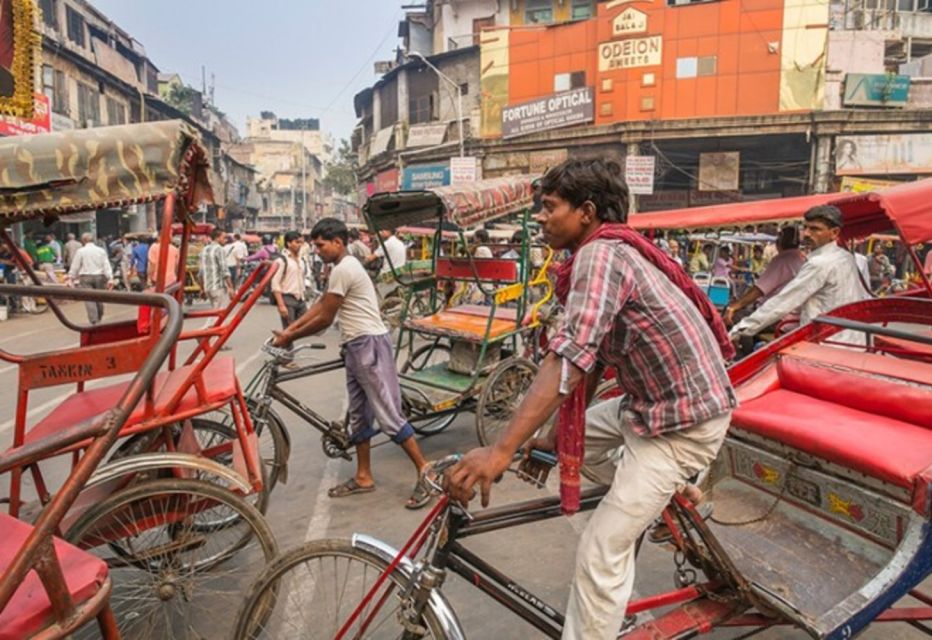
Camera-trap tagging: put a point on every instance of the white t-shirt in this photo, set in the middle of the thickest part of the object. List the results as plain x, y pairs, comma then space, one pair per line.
396, 254
359, 313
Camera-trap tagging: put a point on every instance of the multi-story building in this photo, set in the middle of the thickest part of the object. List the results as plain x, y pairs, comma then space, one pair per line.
726, 100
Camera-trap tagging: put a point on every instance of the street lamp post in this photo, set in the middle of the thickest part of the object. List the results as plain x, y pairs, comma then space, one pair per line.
456, 87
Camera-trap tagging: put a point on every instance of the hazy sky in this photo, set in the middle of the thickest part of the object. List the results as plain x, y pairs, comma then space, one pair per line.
298, 58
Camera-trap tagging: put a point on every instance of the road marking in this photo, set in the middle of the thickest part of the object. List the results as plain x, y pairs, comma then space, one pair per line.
19, 336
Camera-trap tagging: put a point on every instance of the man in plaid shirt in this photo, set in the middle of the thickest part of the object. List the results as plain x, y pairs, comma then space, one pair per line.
627, 309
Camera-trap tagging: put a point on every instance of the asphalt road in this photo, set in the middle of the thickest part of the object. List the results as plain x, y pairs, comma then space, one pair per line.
538, 556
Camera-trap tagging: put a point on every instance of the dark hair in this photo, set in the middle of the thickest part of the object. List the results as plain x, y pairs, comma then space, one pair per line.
788, 238
291, 236
216, 233
598, 181
236, 236
266, 239
517, 237
481, 235
354, 234
330, 229
829, 214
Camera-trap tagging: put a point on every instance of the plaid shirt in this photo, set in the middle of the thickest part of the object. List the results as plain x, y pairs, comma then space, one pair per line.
214, 268
623, 312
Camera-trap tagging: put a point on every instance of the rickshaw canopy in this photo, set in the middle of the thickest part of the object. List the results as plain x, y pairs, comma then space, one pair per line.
904, 207
466, 205
52, 174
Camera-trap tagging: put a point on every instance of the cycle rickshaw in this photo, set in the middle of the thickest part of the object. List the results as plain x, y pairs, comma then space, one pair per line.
174, 512
822, 515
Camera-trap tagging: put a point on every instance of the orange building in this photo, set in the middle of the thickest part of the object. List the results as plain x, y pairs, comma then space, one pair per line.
650, 60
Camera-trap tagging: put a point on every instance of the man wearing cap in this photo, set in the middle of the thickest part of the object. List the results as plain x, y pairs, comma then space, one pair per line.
828, 279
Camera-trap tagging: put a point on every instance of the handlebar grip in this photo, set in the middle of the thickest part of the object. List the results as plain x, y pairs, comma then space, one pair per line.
544, 457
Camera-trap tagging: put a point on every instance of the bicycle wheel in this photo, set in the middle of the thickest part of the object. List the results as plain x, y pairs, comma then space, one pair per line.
425, 424
311, 591
501, 394
165, 563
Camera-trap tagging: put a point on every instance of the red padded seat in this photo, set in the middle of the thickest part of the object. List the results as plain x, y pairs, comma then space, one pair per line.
219, 379
886, 448
30, 611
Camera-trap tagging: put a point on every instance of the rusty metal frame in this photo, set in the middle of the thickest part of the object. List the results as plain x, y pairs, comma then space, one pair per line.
37, 553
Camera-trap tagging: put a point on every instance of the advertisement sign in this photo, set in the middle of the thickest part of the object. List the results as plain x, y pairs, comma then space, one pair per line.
629, 54
387, 181
629, 21
425, 177
464, 170
864, 185
876, 90
719, 171
550, 112
41, 122
883, 154
426, 135
639, 174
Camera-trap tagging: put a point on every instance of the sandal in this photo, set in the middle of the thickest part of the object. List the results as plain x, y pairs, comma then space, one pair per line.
660, 532
349, 488
420, 496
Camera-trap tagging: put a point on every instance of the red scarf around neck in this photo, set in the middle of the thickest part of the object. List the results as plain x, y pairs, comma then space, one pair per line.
571, 420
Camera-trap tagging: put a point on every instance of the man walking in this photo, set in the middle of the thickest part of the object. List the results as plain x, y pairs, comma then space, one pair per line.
371, 377
139, 260
71, 248
215, 278
288, 281
630, 307
91, 269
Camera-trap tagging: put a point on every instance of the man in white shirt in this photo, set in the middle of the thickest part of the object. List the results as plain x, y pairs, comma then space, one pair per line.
235, 253
828, 279
371, 377
392, 249
91, 269
288, 281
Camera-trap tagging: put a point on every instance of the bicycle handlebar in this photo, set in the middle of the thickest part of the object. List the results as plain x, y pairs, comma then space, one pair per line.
283, 353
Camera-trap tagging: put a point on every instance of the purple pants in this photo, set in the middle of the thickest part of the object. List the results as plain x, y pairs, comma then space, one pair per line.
374, 393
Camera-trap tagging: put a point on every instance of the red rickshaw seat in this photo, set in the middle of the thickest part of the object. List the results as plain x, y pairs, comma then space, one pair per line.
219, 378
875, 424
30, 611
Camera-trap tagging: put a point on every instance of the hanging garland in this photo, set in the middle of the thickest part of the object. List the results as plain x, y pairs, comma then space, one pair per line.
18, 20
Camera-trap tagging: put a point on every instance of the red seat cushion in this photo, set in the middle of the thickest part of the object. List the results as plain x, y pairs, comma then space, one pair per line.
219, 380
30, 610
879, 446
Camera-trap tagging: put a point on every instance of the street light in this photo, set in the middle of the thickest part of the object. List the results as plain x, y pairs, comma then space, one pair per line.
456, 87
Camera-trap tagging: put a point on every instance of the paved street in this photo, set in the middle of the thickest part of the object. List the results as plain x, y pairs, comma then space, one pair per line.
539, 556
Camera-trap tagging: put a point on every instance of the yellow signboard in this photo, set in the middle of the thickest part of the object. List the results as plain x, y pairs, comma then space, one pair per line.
628, 54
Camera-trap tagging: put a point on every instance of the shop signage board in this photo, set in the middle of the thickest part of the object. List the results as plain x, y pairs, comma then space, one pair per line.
630, 53
555, 111
719, 171
426, 135
425, 177
387, 181
883, 154
463, 170
850, 184
629, 21
41, 122
639, 174
876, 90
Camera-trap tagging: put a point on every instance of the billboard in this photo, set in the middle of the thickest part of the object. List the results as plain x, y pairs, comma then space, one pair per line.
639, 174
876, 90
883, 154
40, 122
719, 171
631, 53
565, 109
425, 177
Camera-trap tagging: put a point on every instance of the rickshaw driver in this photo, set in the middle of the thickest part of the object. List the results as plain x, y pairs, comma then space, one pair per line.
371, 377
628, 306
827, 280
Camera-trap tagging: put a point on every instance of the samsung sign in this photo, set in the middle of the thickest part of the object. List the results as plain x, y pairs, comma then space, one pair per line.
553, 112
425, 177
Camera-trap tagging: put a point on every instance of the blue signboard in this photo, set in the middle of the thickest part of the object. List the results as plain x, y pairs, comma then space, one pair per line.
425, 177
874, 90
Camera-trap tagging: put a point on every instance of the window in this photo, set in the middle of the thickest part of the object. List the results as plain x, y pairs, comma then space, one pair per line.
464, 89
538, 11
48, 13
568, 81
116, 111
48, 81
88, 105
75, 26
583, 9
53, 85
421, 109
693, 67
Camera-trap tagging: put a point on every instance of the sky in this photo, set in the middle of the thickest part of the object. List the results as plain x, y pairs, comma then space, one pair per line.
297, 58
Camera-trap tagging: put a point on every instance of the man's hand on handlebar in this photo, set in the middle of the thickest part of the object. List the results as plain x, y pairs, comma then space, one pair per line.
534, 469
481, 466
281, 339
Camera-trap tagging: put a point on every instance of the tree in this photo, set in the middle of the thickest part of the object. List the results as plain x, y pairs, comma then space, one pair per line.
341, 173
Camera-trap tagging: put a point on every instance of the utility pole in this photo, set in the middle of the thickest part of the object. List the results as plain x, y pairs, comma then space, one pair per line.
303, 178
458, 95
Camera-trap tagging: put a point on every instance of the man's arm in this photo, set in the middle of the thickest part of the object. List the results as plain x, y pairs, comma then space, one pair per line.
749, 297
809, 280
316, 319
75, 266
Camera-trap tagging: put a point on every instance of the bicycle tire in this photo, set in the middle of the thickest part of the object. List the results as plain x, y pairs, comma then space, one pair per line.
271, 592
426, 425
167, 588
500, 397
